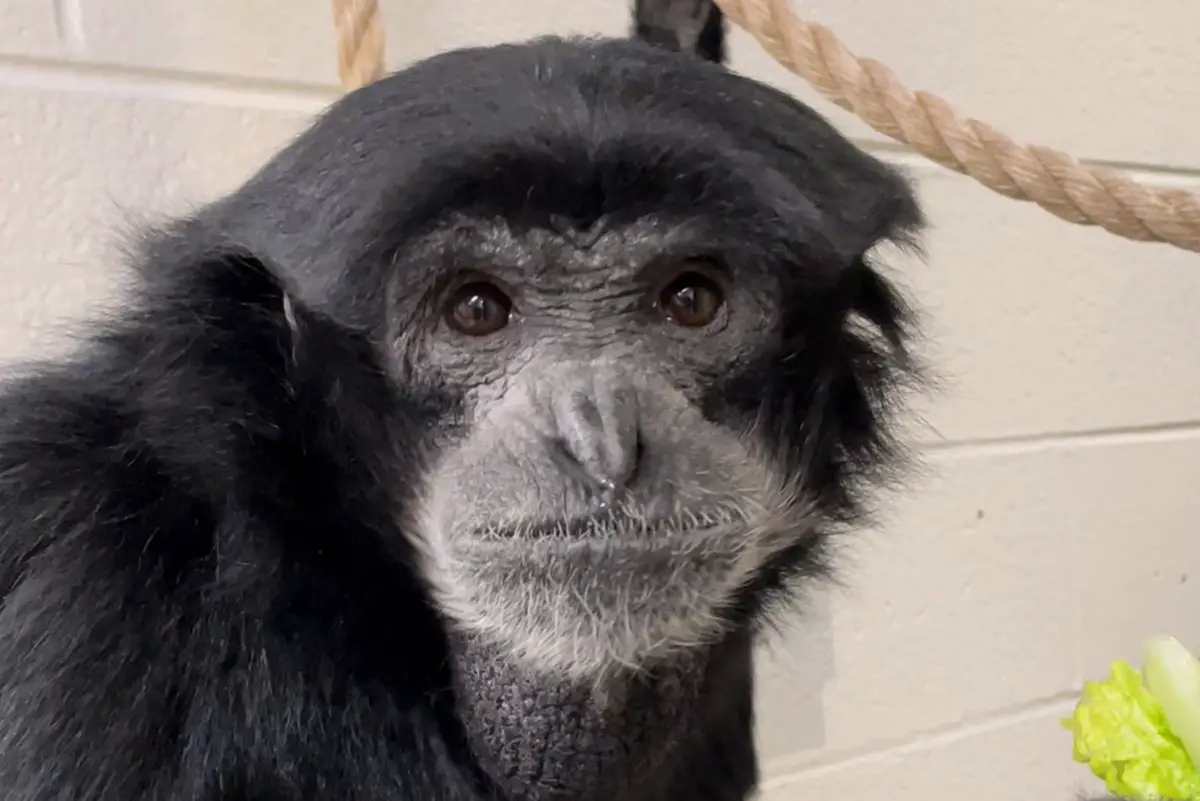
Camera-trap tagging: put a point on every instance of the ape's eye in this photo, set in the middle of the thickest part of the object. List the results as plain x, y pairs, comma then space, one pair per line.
478, 309
692, 300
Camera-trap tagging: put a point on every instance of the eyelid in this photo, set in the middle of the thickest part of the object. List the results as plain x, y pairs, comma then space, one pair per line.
461, 278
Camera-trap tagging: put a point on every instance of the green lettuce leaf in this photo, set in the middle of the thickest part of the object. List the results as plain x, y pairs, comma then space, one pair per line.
1122, 734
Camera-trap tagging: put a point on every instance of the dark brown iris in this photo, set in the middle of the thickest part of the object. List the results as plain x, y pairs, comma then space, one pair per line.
692, 300
478, 309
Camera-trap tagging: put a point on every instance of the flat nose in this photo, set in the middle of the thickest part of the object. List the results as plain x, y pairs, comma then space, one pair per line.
596, 414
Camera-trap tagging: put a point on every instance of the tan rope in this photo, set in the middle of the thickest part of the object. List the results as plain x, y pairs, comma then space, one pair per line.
1053, 180
360, 42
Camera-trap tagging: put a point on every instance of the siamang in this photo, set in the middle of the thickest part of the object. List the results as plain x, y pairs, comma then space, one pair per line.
462, 452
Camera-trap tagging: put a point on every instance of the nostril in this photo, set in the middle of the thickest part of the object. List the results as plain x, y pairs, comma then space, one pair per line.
567, 460
637, 454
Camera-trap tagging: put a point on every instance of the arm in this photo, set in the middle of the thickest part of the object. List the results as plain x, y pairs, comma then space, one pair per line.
91, 640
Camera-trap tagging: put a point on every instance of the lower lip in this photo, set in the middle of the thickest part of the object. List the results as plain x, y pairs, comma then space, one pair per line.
612, 532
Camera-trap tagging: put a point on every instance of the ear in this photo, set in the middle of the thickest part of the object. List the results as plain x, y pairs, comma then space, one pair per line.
685, 26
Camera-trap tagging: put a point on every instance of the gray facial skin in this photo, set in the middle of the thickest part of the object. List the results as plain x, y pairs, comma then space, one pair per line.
587, 517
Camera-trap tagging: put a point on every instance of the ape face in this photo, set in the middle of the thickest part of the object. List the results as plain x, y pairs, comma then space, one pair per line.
618, 498
637, 287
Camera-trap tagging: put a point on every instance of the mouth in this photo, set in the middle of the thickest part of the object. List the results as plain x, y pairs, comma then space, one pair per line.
616, 524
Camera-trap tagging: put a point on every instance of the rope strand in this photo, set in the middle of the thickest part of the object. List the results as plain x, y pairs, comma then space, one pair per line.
360, 41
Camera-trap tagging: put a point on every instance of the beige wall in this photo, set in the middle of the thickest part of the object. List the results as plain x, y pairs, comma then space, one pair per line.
1057, 522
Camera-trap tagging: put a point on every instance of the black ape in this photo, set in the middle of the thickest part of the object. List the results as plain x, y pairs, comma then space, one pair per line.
457, 454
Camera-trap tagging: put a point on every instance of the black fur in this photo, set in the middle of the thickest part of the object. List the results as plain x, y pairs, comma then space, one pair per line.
695, 26
203, 592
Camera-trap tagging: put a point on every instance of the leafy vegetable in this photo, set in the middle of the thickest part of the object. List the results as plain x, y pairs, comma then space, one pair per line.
1123, 734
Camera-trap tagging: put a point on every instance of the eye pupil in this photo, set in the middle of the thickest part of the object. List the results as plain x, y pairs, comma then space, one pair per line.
692, 300
478, 309
688, 299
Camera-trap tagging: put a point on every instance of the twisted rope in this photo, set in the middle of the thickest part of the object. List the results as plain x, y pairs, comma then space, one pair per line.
1057, 182
359, 28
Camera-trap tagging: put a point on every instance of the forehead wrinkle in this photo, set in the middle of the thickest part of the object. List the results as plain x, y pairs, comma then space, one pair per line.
465, 242
625, 251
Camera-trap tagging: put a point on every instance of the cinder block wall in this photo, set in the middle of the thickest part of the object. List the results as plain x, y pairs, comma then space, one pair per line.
1059, 519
